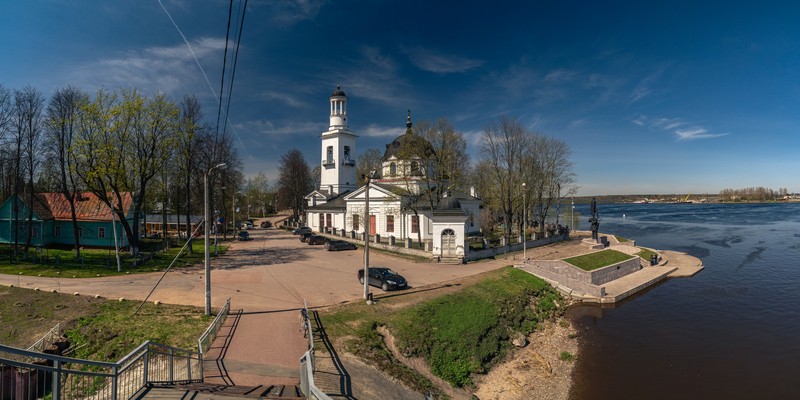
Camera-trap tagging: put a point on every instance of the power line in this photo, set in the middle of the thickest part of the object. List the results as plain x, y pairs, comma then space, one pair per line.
224, 63
235, 61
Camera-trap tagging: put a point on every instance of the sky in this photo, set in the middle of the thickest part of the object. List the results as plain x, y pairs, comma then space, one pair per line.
651, 97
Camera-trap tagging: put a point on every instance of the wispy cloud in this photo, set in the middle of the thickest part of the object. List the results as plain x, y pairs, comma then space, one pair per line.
644, 87
682, 130
374, 130
270, 128
285, 98
432, 61
167, 69
375, 78
290, 12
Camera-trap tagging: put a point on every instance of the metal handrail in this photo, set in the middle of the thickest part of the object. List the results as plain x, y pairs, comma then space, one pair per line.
203, 342
308, 360
40, 345
66, 377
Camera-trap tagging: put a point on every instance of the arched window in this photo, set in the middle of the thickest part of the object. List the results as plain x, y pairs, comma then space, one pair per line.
330, 154
392, 169
415, 168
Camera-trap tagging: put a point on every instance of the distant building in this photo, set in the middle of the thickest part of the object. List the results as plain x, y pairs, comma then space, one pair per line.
393, 196
52, 220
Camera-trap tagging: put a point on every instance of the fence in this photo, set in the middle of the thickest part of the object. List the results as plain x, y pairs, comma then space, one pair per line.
49, 338
71, 378
307, 361
205, 340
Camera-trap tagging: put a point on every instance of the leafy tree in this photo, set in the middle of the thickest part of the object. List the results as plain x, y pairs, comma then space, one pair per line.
294, 182
368, 161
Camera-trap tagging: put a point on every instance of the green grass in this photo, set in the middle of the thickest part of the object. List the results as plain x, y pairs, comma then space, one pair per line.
97, 262
98, 329
114, 331
458, 334
593, 261
646, 254
621, 239
566, 356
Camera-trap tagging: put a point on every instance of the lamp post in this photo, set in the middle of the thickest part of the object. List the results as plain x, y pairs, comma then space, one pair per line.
366, 239
206, 217
524, 223
114, 229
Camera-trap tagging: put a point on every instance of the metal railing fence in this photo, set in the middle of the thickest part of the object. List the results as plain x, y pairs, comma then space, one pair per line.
47, 339
307, 361
72, 378
207, 338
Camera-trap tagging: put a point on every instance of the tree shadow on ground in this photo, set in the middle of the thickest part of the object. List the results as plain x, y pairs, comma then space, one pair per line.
265, 256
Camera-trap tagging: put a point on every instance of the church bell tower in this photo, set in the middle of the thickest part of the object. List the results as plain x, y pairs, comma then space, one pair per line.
338, 170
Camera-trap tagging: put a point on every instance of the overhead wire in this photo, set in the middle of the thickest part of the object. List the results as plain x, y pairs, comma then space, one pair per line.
224, 64
235, 61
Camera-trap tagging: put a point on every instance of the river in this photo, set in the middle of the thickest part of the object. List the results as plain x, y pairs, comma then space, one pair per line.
730, 332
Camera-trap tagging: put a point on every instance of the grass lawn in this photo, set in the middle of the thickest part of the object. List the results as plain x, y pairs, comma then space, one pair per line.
600, 259
621, 239
97, 262
646, 254
100, 330
458, 334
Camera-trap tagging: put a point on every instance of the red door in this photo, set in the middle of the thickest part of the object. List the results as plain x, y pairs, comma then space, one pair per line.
372, 229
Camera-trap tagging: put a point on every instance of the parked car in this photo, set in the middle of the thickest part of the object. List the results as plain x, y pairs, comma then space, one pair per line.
266, 224
337, 245
384, 278
304, 237
249, 224
301, 230
244, 235
317, 239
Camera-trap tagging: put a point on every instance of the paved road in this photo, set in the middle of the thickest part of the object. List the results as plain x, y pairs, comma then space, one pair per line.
269, 278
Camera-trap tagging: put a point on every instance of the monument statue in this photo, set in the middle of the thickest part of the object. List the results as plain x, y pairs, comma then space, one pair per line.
594, 220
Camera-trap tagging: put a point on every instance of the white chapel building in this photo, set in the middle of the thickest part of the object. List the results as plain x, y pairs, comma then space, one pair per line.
339, 203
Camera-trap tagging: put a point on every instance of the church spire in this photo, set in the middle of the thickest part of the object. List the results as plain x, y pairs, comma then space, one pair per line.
408, 123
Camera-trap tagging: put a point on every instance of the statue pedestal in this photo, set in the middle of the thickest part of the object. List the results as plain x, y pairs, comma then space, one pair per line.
593, 244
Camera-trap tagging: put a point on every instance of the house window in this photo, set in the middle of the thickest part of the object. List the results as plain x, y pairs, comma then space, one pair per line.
328, 220
321, 220
392, 169
430, 228
57, 231
101, 233
390, 223
415, 224
355, 222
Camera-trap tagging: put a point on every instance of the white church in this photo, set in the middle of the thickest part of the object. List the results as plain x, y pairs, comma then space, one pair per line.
394, 194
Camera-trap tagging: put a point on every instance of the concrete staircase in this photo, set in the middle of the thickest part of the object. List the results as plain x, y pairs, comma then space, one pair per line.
210, 391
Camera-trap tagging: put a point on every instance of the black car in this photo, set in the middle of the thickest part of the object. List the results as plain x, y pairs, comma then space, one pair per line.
317, 239
266, 224
301, 230
304, 236
337, 245
244, 235
384, 278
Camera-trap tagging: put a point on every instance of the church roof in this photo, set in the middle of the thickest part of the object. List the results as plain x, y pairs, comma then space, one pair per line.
335, 204
407, 144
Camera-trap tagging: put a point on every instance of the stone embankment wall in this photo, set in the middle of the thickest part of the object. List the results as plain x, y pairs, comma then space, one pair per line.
615, 271
495, 251
588, 282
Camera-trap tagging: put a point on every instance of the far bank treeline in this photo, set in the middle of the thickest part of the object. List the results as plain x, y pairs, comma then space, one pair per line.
112, 142
517, 170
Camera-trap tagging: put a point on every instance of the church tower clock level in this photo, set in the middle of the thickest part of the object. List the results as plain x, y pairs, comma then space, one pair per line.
338, 170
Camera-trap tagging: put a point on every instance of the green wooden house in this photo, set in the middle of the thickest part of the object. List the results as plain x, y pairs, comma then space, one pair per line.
52, 221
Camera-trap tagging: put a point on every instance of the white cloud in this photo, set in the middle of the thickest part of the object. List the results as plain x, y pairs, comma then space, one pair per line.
269, 128
431, 61
374, 130
169, 69
290, 12
285, 98
681, 129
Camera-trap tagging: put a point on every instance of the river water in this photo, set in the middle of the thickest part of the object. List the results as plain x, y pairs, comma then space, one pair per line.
730, 332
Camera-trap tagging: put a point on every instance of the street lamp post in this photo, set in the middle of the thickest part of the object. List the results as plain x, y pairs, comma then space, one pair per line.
114, 229
524, 224
366, 240
206, 217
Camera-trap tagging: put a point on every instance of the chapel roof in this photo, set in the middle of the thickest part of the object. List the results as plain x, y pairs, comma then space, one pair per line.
406, 144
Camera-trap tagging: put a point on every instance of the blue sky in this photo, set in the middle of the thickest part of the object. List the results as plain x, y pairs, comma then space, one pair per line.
668, 97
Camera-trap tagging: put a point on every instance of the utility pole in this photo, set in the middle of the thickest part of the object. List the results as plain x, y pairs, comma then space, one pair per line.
366, 239
524, 224
206, 218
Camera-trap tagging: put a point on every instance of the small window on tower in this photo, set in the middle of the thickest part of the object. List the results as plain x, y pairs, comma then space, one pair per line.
346, 152
330, 153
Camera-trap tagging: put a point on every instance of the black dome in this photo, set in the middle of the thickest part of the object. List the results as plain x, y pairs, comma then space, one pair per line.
338, 92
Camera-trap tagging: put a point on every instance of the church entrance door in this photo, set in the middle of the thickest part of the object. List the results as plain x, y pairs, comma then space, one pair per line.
372, 228
448, 243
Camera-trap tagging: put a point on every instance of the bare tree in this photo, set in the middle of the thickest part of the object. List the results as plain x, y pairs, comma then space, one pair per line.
504, 146
28, 104
6, 112
62, 119
294, 182
189, 134
368, 161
